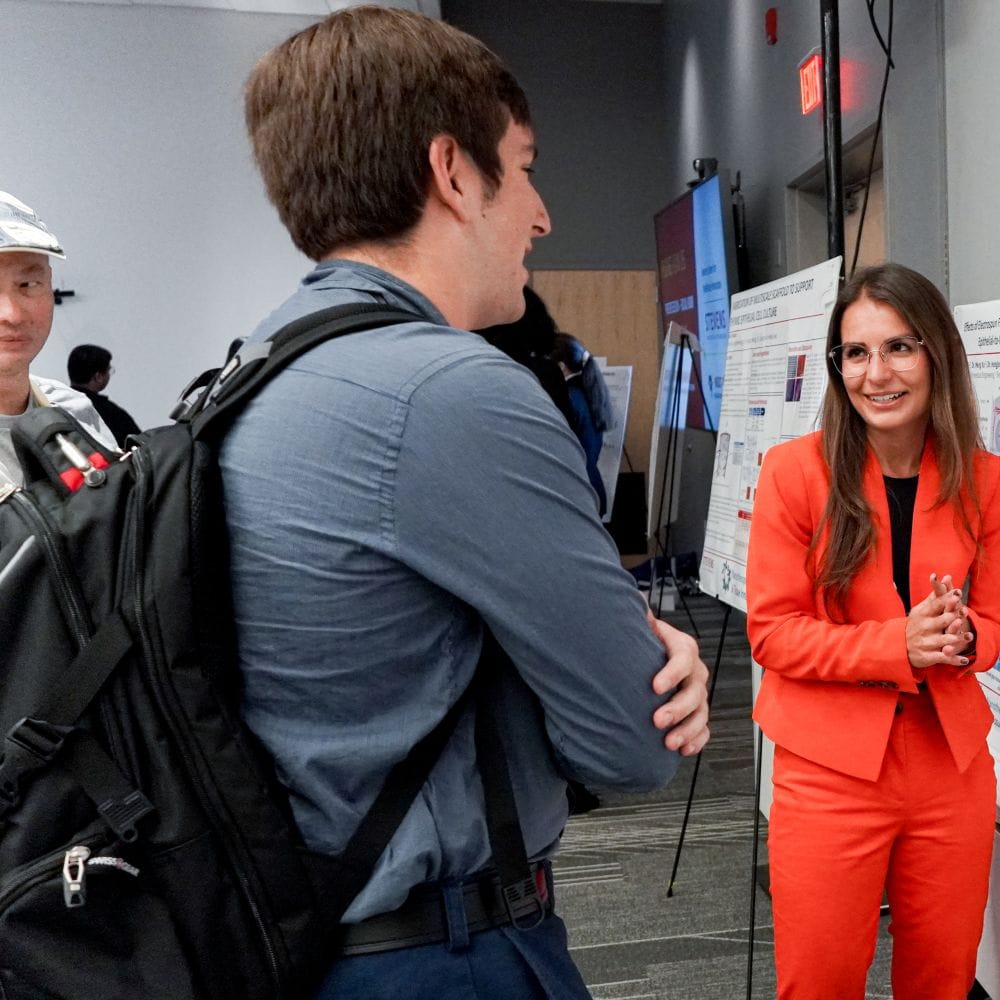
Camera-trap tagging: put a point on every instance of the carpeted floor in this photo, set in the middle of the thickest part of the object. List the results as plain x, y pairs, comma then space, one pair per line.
632, 941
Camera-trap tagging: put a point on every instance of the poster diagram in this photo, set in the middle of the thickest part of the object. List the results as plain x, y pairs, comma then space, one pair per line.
772, 391
979, 326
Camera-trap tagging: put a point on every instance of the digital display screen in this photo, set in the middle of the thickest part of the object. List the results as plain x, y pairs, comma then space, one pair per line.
695, 255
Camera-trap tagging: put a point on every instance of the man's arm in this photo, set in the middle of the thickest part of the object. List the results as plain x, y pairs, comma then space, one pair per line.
493, 504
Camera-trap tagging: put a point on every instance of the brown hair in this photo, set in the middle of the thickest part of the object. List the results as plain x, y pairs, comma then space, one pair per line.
341, 116
954, 421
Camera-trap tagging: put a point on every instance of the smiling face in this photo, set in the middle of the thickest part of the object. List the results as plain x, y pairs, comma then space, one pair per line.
25, 309
510, 218
894, 405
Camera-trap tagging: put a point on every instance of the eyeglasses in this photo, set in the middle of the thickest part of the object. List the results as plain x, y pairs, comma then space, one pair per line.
899, 353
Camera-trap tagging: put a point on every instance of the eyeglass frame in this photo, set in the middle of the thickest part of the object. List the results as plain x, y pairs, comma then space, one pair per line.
832, 355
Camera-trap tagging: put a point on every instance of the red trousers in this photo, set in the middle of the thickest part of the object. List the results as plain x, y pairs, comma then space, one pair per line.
922, 832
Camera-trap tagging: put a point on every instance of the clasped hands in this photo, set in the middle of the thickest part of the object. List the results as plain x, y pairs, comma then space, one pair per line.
937, 629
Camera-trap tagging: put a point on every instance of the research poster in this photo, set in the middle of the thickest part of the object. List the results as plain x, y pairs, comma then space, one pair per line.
772, 391
979, 326
618, 379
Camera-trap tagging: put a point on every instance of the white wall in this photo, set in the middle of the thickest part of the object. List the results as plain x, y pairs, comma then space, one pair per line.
972, 32
122, 126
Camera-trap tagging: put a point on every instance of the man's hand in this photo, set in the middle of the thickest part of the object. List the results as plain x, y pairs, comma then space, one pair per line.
686, 714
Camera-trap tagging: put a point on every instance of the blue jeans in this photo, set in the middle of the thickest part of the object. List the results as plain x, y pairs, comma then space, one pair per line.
500, 964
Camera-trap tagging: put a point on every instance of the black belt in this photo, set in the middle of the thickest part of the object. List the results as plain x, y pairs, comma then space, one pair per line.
422, 918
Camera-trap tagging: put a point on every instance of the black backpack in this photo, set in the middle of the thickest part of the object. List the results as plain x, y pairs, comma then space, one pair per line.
147, 850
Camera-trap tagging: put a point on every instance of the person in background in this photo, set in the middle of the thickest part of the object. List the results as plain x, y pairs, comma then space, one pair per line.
90, 371
530, 340
873, 592
590, 404
26, 304
427, 491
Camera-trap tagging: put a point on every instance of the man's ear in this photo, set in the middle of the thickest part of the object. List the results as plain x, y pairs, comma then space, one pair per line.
454, 176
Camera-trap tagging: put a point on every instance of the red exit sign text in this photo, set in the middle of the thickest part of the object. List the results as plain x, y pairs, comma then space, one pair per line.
811, 82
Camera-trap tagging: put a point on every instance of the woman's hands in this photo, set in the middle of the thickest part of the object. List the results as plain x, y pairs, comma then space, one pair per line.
937, 629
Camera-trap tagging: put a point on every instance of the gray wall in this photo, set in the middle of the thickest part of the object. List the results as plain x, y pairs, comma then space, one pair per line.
972, 30
736, 98
122, 126
593, 74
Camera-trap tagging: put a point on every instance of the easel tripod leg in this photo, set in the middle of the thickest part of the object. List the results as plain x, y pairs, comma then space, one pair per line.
753, 862
697, 763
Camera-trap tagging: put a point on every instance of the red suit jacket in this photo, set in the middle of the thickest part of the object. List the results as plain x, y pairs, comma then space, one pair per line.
830, 689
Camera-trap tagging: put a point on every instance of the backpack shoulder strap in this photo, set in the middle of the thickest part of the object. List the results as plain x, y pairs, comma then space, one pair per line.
256, 364
36, 392
339, 878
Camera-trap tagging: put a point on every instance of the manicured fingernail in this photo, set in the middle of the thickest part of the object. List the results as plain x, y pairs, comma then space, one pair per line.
963, 660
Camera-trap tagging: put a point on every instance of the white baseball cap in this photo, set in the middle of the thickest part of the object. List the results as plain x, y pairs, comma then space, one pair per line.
21, 229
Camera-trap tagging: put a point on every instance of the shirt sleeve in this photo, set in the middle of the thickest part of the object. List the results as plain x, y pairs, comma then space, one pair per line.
787, 633
493, 504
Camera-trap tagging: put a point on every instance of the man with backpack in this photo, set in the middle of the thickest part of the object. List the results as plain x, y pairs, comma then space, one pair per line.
399, 498
26, 303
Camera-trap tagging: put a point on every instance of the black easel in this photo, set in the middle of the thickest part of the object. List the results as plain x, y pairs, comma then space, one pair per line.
671, 451
697, 761
753, 861
669, 475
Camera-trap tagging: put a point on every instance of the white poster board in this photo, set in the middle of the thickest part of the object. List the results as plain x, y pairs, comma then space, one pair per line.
618, 379
773, 389
979, 326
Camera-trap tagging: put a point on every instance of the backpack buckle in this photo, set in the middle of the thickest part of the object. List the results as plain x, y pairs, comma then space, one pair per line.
29, 744
37, 738
525, 904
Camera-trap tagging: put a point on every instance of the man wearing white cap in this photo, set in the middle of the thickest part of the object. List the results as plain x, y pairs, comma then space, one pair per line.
26, 303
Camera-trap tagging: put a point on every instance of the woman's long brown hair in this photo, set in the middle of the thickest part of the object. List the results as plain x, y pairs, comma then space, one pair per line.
954, 422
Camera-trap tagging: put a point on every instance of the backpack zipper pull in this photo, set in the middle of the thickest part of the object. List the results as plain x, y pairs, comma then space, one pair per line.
74, 869
92, 476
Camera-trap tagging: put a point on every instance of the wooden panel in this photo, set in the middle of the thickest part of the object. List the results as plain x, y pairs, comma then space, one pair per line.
613, 313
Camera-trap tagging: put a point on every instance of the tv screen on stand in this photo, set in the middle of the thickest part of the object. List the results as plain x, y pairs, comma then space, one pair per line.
696, 263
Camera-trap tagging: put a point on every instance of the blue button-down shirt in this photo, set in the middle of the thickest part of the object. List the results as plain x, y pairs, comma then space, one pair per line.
383, 493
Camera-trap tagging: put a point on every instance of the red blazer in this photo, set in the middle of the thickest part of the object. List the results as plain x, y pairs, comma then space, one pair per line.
829, 690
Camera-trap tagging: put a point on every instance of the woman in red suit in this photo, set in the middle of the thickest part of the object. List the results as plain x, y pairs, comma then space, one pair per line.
873, 586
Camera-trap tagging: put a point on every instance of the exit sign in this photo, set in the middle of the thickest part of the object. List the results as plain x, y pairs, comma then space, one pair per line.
811, 82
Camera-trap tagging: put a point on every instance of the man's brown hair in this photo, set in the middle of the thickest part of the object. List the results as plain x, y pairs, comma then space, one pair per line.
341, 116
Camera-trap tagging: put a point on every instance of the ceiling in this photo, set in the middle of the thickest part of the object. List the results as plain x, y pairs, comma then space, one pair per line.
432, 7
